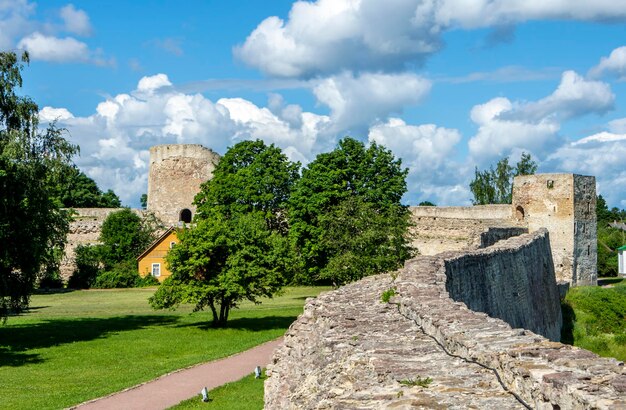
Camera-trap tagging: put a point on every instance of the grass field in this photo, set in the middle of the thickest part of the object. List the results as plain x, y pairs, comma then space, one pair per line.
594, 318
244, 394
76, 346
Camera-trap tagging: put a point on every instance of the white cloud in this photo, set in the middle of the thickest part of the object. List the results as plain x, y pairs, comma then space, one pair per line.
44, 39
506, 126
76, 21
574, 97
601, 137
115, 139
613, 65
14, 21
49, 48
330, 36
427, 151
361, 100
601, 155
49, 114
150, 84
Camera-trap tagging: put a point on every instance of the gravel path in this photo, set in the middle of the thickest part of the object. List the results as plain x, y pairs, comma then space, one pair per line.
175, 387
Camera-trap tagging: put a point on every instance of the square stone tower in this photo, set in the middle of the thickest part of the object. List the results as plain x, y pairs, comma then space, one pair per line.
565, 204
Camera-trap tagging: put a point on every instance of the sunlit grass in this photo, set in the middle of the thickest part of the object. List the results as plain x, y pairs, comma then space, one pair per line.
244, 394
72, 347
594, 318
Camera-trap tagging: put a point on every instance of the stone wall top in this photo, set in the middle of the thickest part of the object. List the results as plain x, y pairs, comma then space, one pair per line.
159, 153
350, 350
463, 212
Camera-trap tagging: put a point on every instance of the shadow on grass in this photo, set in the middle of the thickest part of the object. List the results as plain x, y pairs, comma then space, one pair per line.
609, 281
16, 340
256, 324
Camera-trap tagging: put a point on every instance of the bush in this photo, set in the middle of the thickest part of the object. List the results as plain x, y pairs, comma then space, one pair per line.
148, 280
87, 266
51, 280
122, 275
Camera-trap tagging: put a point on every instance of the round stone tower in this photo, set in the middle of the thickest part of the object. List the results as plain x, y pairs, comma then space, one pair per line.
176, 172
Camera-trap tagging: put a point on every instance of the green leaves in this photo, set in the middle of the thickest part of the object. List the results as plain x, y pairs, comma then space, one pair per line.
237, 248
32, 227
345, 216
494, 186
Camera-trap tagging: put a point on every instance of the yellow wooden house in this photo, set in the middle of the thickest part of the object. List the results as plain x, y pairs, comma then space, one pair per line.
152, 260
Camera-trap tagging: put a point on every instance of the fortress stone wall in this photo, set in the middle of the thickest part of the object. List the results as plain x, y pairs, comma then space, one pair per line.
350, 350
176, 173
453, 228
84, 230
563, 203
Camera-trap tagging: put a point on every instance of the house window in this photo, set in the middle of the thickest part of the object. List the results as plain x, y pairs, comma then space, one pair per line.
156, 269
172, 244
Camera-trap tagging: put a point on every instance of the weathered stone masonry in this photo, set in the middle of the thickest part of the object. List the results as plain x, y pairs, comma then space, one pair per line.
348, 350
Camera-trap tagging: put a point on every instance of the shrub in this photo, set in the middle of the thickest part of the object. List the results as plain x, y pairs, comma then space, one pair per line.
51, 280
148, 280
386, 296
122, 275
87, 266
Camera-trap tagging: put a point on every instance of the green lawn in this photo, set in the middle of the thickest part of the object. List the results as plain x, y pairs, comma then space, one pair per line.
594, 318
244, 394
72, 347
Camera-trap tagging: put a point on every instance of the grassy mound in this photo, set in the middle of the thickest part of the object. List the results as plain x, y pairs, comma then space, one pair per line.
594, 318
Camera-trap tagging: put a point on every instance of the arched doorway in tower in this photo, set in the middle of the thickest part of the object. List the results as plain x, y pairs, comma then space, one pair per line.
184, 216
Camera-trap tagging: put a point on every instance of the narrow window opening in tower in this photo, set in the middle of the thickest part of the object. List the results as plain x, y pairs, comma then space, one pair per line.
185, 216
519, 213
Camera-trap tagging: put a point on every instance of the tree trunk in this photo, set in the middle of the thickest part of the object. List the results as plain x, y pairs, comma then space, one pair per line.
214, 311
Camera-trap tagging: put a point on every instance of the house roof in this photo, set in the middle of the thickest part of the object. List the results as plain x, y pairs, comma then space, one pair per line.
155, 243
622, 248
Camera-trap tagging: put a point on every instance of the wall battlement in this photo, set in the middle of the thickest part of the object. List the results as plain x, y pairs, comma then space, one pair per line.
350, 350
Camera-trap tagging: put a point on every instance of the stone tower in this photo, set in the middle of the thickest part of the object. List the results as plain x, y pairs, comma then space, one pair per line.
176, 172
566, 205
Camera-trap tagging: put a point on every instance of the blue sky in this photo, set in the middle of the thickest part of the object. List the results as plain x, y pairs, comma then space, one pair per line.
447, 85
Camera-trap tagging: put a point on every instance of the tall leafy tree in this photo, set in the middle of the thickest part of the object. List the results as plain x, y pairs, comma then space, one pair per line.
237, 247
124, 235
494, 186
251, 176
361, 187
74, 189
32, 227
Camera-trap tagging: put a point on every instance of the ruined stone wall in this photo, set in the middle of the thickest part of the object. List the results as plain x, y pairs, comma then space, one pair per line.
585, 266
350, 350
565, 205
84, 230
442, 229
515, 284
176, 173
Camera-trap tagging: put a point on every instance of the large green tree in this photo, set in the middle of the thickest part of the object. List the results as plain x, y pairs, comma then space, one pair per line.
345, 216
237, 247
124, 235
32, 227
494, 186
74, 189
